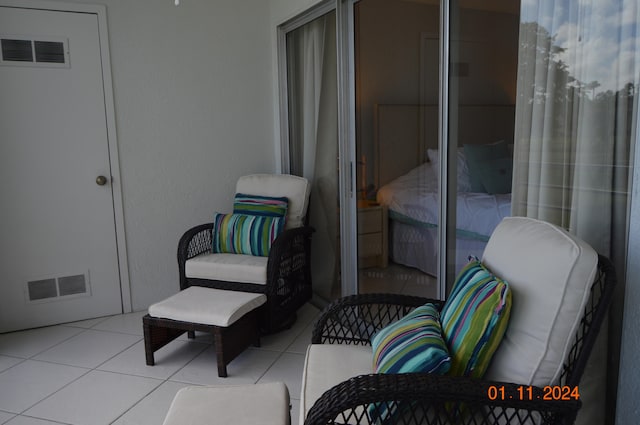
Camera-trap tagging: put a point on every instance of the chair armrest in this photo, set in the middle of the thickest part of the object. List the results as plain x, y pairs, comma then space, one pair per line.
194, 241
290, 254
434, 399
355, 319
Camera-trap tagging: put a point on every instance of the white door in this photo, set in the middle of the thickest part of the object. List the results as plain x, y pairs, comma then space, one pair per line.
59, 258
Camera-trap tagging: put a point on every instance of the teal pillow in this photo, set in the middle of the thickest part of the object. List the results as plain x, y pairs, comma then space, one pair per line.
245, 234
260, 205
474, 319
412, 344
478, 154
496, 175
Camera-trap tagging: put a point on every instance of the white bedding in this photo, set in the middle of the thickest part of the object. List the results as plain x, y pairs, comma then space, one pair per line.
413, 198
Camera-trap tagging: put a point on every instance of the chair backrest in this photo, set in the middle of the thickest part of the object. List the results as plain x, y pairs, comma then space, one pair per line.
550, 273
295, 188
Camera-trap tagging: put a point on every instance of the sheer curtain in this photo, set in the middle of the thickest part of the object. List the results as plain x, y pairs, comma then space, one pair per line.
575, 134
313, 144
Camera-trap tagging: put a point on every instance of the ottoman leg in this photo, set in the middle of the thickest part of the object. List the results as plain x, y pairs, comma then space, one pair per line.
220, 355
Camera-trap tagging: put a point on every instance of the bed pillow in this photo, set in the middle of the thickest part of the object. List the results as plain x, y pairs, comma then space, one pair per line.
496, 175
245, 234
477, 155
462, 168
474, 319
412, 344
260, 205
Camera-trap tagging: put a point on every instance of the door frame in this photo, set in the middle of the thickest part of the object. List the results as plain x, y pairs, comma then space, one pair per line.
114, 165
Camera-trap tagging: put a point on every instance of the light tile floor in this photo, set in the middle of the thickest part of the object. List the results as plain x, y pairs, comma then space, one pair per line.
93, 372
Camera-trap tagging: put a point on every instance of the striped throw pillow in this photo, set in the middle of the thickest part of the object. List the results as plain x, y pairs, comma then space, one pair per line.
474, 319
245, 234
412, 344
260, 205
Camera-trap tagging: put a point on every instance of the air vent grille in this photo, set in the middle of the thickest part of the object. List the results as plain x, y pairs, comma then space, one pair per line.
23, 51
49, 51
57, 288
17, 50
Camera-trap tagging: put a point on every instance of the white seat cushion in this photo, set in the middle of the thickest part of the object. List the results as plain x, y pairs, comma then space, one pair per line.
295, 188
228, 267
268, 405
550, 273
207, 306
327, 365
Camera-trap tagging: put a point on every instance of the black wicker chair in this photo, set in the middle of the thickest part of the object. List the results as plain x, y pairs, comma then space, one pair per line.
288, 274
433, 399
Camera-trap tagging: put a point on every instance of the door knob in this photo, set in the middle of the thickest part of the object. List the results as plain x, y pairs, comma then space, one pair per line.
101, 180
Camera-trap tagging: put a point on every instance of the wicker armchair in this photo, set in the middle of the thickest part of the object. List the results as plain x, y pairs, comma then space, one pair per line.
432, 399
288, 273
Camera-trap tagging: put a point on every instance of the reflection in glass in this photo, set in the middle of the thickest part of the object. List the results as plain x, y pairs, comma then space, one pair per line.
313, 140
396, 62
576, 114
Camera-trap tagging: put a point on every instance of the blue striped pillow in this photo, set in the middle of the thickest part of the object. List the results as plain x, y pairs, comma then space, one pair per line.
474, 319
412, 344
260, 205
245, 234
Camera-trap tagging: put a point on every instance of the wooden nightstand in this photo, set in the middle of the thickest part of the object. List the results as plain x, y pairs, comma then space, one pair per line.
373, 242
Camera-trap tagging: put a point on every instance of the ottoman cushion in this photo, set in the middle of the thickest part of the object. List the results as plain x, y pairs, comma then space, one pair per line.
207, 306
266, 404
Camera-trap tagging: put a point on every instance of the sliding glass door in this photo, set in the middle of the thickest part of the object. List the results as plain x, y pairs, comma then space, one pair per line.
575, 134
396, 56
309, 120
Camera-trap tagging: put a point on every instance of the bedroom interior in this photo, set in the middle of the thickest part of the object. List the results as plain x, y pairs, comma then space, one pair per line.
397, 82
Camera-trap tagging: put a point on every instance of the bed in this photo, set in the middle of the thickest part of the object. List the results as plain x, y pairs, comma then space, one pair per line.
407, 177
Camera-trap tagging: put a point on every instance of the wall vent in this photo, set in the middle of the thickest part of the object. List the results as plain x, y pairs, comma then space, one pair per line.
27, 51
57, 288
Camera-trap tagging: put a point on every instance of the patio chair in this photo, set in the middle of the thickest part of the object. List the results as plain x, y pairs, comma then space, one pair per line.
561, 290
283, 275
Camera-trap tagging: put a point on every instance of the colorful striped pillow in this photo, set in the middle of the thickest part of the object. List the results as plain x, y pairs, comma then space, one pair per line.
260, 205
474, 319
245, 234
411, 344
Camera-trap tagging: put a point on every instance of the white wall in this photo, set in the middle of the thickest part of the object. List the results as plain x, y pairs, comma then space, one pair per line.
193, 103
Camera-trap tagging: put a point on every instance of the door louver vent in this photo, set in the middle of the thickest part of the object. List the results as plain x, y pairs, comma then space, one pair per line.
33, 52
49, 51
50, 289
17, 50
41, 289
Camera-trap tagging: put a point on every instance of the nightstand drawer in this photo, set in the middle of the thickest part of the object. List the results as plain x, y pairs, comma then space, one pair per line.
369, 245
369, 220
372, 236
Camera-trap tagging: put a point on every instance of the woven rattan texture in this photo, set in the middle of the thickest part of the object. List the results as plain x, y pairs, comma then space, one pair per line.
288, 284
431, 399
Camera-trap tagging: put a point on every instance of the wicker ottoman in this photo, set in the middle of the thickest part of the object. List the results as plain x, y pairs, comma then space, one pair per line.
265, 404
231, 316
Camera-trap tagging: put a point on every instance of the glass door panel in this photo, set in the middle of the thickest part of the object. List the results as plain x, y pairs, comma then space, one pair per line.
483, 58
312, 146
396, 111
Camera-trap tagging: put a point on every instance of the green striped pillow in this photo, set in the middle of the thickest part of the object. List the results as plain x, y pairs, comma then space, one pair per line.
260, 205
474, 319
245, 234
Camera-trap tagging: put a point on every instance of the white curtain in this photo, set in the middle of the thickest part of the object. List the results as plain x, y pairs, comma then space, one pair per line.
313, 146
579, 63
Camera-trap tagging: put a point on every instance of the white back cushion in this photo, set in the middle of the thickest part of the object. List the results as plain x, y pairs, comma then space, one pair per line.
550, 273
295, 188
